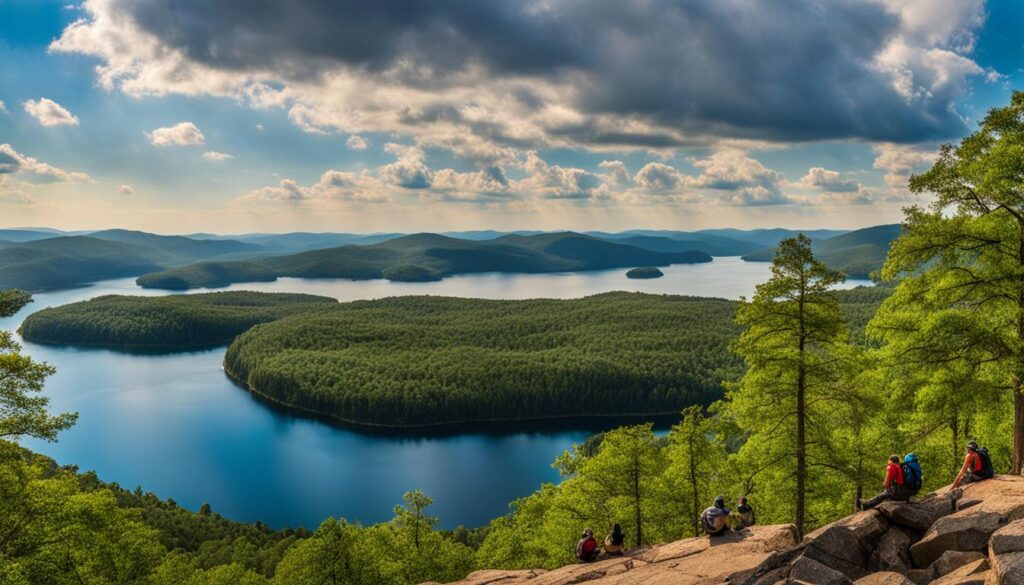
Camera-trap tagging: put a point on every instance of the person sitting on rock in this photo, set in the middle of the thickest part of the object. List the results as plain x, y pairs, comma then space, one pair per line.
893, 488
745, 513
587, 550
977, 466
614, 543
713, 519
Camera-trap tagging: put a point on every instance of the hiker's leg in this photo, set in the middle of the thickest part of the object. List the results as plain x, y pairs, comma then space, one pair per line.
902, 493
868, 504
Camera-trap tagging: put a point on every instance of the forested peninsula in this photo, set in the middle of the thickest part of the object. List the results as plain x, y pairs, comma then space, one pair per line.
168, 322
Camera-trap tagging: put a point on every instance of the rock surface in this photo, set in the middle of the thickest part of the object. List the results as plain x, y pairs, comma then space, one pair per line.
973, 536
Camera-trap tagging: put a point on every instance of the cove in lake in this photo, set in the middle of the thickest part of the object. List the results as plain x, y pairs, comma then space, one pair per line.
174, 424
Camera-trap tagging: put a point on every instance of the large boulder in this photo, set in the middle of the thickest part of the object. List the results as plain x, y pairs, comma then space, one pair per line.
884, 578
1009, 538
1007, 568
839, 549
867, 526
892, 552
919, 514
952, 560
971, 574
810, 571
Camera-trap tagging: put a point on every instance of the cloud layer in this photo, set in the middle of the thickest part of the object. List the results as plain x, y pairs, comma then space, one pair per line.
482, 77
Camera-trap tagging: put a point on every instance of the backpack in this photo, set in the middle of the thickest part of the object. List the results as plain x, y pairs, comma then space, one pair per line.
912, 474
713, 520
987, 471
583, 551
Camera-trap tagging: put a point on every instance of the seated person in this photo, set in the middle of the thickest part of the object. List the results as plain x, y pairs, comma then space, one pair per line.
713, 519
614, 543
746, 514
587, 550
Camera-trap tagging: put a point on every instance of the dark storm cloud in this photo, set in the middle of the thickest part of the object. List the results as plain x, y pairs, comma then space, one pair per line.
779, 70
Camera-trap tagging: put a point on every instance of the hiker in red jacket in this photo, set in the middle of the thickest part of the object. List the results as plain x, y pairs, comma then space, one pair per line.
977, 466
894, 487
587, 549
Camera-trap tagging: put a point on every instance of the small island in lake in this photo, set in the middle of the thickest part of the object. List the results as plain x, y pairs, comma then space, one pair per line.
645, 272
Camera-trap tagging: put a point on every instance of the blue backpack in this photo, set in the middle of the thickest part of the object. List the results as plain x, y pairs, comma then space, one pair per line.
912, 475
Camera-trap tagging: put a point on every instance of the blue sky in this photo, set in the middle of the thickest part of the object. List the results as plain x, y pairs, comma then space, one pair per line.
239, 116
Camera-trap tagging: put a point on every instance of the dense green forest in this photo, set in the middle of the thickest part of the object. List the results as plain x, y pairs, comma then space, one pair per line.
644, 272
424, 257
175, 321
857, 254
432, 360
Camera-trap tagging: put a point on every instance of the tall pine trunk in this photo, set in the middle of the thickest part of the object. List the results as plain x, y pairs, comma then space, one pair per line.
693, 485
801, 431
1017, 458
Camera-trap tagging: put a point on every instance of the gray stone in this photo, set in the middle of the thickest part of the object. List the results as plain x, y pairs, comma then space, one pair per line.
964, 531
1008, 568
810, 571
1009, 538
952, 560
867, 526
839, 549
972, 574
919, 515
892, 552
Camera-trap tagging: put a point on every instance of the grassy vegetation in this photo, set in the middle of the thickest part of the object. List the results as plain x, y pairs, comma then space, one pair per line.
423, 257
177, 321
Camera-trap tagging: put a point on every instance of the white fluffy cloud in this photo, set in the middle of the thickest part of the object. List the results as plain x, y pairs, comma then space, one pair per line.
828, 181
332, 188
49, 113
356, 142
181, 134
126, 190
899, 161
216, 156
742, 180
409, 171
658, 177
13, 163
3, 107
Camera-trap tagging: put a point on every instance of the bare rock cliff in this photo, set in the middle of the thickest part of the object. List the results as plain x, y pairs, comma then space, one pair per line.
973, 536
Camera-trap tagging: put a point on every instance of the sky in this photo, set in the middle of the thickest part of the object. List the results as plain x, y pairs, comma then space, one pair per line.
237, 116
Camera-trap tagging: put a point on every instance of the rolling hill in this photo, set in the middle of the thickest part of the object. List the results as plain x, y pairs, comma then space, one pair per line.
425, 257
857, 253
67, 261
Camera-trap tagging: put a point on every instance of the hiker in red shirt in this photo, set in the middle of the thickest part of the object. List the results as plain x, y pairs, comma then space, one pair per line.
977, 466
894, 487
586, 549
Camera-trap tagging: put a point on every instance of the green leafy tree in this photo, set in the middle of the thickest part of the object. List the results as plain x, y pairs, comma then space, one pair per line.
330, 557
793, 329
695, 460
958, 309
22, 411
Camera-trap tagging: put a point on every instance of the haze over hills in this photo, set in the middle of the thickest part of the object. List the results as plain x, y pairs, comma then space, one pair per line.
41, 258
425, 257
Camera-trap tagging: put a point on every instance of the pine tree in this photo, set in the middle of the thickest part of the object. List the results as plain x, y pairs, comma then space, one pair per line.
959, 303
793, 329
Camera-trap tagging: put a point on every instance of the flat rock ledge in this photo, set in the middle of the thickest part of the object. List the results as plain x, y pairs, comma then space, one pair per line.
971, 536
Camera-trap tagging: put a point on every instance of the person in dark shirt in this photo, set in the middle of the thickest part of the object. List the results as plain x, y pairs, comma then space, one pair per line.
746, 514
615, 543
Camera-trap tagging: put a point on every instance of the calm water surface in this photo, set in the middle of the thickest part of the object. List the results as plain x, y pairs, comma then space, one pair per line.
175, 425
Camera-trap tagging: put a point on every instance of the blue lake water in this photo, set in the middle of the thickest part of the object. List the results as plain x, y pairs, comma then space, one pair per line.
174, 424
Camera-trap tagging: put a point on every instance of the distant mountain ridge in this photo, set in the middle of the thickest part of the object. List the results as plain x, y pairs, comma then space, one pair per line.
426, 257
37, 259
858, 253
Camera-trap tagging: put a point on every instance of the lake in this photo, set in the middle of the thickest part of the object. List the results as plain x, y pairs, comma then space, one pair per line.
174, 424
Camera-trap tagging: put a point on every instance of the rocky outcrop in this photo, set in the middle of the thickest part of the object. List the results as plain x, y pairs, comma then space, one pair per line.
970, 536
